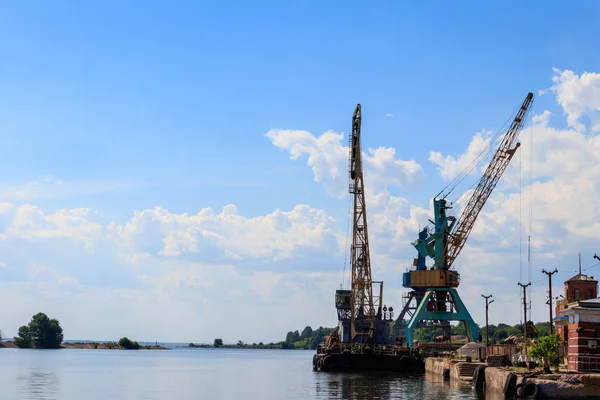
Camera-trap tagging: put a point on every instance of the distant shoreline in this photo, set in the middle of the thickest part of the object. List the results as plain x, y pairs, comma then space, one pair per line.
245, 347
109, 345
9, 344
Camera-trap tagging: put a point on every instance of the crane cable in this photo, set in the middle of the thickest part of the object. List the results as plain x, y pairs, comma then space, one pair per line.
346, 246
530, 198
478, 159
520, 216
492, 147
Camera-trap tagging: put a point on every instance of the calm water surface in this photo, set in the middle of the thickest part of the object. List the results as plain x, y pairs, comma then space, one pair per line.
199, 374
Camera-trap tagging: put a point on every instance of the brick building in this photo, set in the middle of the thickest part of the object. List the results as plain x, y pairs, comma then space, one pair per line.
578, 323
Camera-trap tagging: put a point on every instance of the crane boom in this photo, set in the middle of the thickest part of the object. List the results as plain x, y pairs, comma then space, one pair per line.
362, 294
486, 185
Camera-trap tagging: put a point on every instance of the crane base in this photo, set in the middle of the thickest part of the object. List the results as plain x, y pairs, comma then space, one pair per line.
437, 310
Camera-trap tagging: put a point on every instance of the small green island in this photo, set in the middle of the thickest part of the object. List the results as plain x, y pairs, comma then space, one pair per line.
43, 332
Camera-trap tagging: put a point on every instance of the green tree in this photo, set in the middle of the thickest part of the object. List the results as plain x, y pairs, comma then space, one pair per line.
547, 349
306, 333
318, 336
42, 333
543, 328
289, 338
127, 344
24, 339
218, 343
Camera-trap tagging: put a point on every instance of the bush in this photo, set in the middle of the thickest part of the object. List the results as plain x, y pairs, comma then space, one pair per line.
127, 344
548, 349
41, 333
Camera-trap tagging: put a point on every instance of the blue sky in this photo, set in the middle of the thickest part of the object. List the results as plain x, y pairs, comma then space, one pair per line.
121, 107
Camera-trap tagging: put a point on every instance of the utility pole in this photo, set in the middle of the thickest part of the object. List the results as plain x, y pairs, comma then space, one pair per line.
550, 295
525, 312
487, 330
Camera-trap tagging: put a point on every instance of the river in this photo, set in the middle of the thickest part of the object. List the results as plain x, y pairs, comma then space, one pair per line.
74, 374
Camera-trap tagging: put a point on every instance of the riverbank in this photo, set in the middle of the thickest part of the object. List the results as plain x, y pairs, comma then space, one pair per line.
106, 346
244, 347
88, 345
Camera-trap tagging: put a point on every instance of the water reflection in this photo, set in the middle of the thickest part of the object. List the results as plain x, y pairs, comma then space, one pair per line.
390, 386
38, 385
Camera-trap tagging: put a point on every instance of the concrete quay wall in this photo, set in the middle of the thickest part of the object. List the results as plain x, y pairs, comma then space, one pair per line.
563, 386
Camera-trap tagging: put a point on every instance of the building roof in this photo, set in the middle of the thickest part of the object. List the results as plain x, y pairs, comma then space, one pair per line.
581, 277
591, 303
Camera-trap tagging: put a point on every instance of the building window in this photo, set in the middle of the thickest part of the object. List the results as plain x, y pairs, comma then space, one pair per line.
591, 293
576, 294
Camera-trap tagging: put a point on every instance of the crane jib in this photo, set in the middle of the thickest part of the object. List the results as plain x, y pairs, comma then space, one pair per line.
488, 182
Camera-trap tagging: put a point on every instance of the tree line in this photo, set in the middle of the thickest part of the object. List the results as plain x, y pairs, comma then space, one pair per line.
497, 332
309, 339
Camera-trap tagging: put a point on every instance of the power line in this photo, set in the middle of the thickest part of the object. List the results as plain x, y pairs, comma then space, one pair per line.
511, 300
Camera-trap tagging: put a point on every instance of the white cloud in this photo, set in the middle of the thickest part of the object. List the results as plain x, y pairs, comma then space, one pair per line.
389, 115
227, 236
137, 271
328, 158
449, 167
578, 95
154, 273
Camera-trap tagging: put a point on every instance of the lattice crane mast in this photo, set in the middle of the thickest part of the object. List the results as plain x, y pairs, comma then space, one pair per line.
362, 319
435, 289
362, 284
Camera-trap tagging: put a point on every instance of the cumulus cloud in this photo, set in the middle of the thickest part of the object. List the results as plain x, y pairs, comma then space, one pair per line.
578, 95
177, 258
328, 158
158, 270
449, 167
228, 236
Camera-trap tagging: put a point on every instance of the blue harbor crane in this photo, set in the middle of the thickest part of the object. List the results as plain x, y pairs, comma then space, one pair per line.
434, 298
